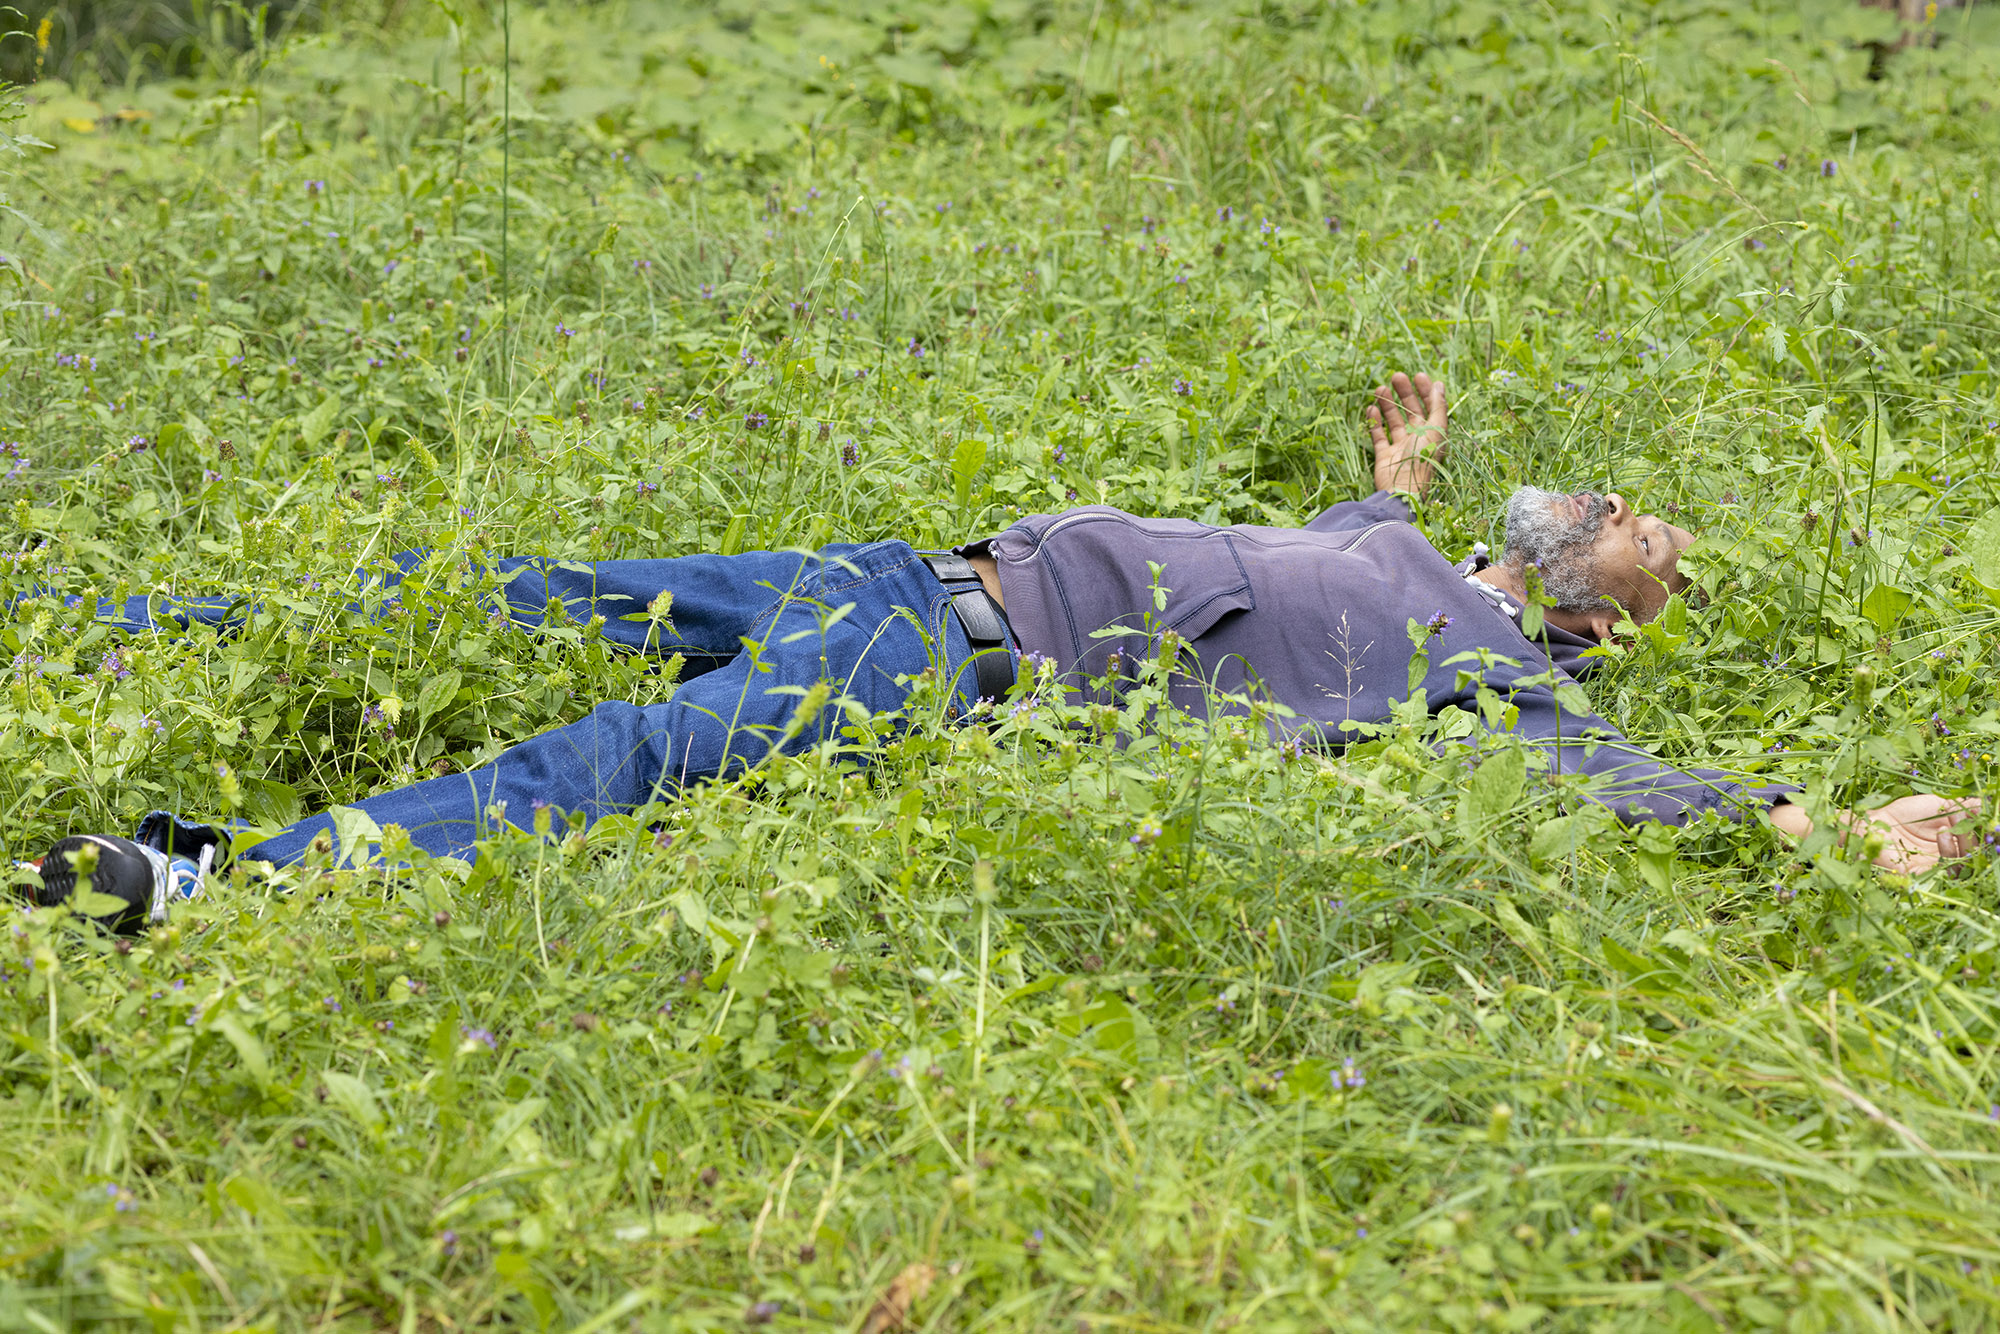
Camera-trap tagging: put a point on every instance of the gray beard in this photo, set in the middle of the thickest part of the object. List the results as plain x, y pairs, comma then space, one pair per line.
1560, 547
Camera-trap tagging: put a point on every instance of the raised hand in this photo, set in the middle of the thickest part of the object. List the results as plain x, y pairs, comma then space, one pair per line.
1407, 423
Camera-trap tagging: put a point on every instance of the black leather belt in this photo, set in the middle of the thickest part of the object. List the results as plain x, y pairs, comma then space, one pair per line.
984, 623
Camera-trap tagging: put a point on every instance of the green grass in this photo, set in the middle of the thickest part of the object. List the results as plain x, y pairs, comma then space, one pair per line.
1607, 1080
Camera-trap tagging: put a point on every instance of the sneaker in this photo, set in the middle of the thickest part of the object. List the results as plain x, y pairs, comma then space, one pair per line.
145, 880
149, 874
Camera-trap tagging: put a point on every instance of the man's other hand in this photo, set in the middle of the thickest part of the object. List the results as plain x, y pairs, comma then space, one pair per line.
1407, 423
1908, 835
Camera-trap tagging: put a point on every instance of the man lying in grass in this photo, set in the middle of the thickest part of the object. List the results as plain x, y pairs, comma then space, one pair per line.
1319, 619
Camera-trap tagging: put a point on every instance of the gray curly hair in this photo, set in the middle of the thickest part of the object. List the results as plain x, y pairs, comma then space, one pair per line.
1538, 534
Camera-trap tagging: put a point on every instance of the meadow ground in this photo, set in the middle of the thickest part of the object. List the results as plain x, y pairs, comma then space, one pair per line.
1192, 1034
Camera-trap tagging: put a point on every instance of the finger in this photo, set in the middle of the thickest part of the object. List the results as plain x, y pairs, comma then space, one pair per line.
1924, 805
1916, 806
1407, 393
1375, 431
1391, 413
1420, 414
1906, 854
1438, 412
1952, 840
1930, 817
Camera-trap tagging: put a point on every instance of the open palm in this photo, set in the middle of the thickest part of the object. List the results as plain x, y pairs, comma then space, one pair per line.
1916, 831
1406, 422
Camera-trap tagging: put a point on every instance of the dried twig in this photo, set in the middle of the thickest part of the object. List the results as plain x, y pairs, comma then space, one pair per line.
892, 1308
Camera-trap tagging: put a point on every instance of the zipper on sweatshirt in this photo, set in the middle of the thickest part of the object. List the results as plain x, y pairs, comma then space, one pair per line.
1360, 537
1369, 532
1068, 519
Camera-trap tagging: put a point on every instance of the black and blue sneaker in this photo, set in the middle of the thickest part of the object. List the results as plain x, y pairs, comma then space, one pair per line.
165, 864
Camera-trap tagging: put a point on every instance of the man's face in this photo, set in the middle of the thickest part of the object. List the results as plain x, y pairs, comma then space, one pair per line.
1592, 547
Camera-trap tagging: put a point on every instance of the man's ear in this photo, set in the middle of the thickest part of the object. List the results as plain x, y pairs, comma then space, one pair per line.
1604, 623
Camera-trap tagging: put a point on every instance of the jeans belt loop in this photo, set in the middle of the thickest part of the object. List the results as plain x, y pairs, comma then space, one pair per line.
982, 620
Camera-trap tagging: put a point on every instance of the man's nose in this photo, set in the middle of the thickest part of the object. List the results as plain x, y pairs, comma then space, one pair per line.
1619, 511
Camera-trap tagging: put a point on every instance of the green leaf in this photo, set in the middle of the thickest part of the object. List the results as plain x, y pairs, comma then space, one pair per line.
693, 911
1655, 845
1572, 699
249, 1048
1624, 960
353, 1097
315, 424
95, 903
1519, 929
1673, 617
1493, 788
269, 802
966, 462
357, 833
1555, 840
516, 1118
1982, 549
682, 1224
437, 692
1885, 605
255, 1196
443, 1050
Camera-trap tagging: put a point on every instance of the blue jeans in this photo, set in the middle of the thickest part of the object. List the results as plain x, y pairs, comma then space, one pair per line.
758, 630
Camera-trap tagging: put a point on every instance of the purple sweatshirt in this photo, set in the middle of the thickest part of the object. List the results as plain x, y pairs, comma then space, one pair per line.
1316, 618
